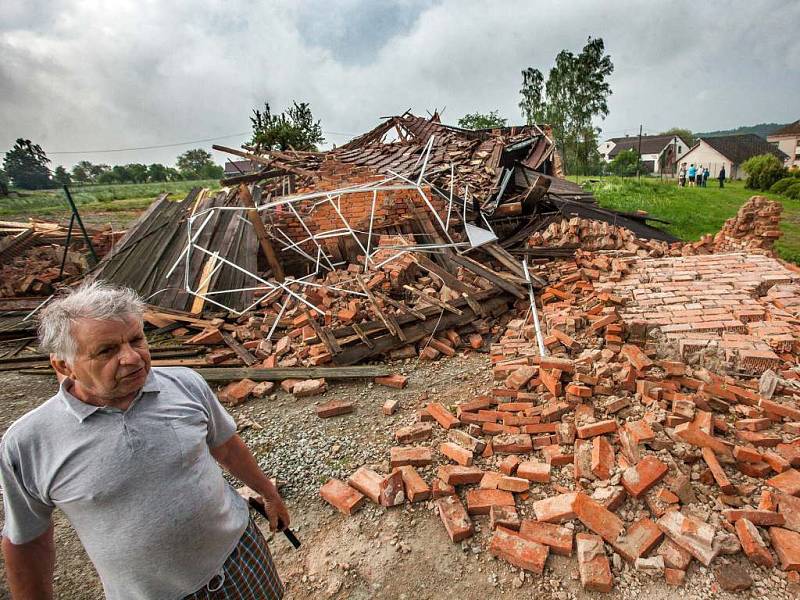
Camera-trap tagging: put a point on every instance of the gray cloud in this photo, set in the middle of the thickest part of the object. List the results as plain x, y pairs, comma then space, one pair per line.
84, 74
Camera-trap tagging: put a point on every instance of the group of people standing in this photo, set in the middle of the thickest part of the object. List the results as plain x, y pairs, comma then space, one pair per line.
698, 176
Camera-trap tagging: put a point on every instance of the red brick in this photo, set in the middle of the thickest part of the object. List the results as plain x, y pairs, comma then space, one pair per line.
518, 443
490, 480
746, 454
341, 496
674, 577
534, 471
754, 547
458, 475
416, 432
520, 377
479, 501
390, 406
639, 539
415, 456
309, 387
442, 416
636, 357
599, 428
556, 537
718, 472
787, 546
593, 565
556, 509
333, 408
783, 410
368, 482
788, 482
392, 489
691, 434
263, 388
597, 518
691, 534
462, 438
513, 484
456, 520
509, 464
456, 453
674, 556
504, 516
440, 489
394, 381
517, 550
789, 507
763, 518
236, 392
602, 457
643, 475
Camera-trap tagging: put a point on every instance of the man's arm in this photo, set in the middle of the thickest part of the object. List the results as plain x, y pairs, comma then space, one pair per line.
236, 458
29, 567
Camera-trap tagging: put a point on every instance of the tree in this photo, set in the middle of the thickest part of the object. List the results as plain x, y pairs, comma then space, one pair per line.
61, 176
157, 172
98, 171
137, 173
197, 164
3, 183
575, 93
685, 134
763, 171
82, 172
477, 120
294, 129
26, 165
625, 164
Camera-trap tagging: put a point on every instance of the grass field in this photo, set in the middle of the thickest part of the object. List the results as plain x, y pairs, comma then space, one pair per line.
693, 212
128, 197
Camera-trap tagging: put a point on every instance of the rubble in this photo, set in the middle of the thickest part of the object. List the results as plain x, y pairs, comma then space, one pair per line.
644, 410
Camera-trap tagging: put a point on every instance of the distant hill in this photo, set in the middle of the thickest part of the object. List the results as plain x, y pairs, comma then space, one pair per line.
762, 130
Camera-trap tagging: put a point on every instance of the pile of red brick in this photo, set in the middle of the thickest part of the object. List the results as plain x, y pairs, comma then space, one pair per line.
35, 271
654, 457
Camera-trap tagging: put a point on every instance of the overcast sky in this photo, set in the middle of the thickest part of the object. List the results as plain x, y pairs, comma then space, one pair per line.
80, 75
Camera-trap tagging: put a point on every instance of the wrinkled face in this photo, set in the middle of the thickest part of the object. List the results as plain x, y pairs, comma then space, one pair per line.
112, 361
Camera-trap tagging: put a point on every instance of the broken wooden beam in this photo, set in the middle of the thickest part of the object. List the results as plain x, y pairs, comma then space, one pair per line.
281, 373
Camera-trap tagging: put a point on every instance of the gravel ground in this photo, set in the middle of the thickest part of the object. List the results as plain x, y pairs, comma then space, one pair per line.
378, 553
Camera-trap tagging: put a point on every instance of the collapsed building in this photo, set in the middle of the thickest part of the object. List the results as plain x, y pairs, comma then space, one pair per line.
645, 389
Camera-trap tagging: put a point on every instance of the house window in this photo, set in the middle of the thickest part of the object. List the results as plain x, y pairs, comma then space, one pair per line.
680, 149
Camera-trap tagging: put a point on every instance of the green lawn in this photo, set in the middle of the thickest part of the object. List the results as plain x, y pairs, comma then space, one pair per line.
127, 197
693, 212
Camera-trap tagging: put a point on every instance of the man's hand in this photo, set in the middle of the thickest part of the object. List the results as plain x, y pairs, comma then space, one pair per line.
29, 567
277, 512
237, 459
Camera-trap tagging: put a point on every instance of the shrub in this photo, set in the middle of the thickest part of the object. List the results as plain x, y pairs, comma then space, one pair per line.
779, 187
793, 191
762, 171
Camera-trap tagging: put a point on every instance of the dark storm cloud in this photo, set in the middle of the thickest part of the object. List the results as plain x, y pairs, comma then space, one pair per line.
86, 74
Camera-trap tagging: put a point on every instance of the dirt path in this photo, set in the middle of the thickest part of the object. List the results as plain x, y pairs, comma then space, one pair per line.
399, 553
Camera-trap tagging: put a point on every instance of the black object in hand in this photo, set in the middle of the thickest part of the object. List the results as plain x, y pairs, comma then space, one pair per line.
259, 508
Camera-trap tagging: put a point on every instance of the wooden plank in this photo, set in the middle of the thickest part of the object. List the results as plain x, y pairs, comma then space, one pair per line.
205, 280
400, 306
375, 308
261, 233
433, 300
360, 333
450, 280
321, 336
504, 258
415, 332
278, 373
490, 275
242, 352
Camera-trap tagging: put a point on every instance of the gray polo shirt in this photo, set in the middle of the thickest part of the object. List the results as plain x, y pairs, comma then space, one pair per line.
140, 487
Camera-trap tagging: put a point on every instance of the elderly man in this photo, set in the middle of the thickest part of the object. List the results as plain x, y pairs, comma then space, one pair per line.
131, 454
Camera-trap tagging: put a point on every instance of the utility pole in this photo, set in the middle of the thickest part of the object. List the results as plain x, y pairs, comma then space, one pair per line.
639, 160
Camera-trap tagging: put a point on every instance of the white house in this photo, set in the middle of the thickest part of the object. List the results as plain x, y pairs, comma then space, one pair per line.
787, 140
657, 150
728, 151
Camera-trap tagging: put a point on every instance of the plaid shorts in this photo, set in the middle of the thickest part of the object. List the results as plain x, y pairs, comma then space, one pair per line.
248, 574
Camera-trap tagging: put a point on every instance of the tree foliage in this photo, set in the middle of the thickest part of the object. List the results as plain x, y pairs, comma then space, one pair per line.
26, 164
576, 91
197, 164
478, 120
625, 164
61, 176
3, 183
685, 134
763, 171
294, 129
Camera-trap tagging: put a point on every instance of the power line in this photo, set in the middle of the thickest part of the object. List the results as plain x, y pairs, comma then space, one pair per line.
222, 137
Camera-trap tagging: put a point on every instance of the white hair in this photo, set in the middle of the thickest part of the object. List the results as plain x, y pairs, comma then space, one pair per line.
96, 300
